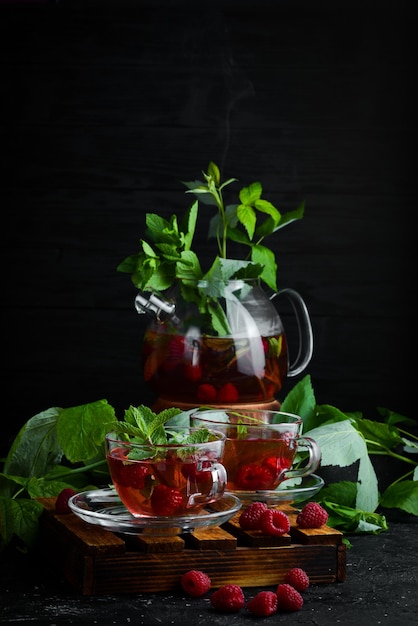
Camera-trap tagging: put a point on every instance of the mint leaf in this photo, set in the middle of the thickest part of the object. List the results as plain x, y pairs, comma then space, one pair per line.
265, 258
291, 216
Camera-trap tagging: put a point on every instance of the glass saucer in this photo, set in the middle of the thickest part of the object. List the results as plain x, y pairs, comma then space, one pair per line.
104, 508
293, 490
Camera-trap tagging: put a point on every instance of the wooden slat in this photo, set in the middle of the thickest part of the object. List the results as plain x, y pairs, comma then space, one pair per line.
211, 539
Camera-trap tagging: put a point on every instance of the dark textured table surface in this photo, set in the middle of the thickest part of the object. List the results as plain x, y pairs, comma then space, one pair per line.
381, 588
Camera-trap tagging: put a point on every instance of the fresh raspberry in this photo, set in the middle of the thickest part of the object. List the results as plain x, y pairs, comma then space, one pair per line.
132, 474
192, 372
228, 599
298, 578
288, 598
277, 465
312, 516
263, 604
228, 394
253, 476
61, 503
166, 500
206, 393
195, 583
274, 522
250, 517
174, 353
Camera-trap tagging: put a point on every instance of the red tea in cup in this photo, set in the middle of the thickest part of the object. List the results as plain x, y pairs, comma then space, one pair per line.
260, 447
172, 479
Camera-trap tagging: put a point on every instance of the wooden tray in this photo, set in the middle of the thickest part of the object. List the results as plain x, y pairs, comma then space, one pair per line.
98, 562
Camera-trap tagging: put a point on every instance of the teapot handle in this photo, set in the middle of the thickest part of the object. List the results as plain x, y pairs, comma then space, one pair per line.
304, 327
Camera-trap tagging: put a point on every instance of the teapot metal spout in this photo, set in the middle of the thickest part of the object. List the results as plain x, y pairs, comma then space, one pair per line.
155, 306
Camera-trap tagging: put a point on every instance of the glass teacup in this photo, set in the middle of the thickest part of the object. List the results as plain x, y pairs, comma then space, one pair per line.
177, 478
260, 447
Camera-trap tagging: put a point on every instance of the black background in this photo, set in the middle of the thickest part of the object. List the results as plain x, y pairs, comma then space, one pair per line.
107, 106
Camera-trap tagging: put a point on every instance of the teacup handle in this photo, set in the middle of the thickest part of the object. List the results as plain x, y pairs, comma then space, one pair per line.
312, 462
219, 479
304, 327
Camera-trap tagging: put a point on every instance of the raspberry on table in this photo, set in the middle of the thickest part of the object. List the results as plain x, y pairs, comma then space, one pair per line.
61, 503
288, 598
250, 517
312, 515
263, 604
195, 583
228, 599
166, 500
298, 578
274, 522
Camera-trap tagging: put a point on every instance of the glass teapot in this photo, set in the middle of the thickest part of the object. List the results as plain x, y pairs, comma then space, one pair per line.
220, 344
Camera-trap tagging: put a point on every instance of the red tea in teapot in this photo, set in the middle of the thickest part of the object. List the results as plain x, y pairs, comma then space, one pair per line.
201, 369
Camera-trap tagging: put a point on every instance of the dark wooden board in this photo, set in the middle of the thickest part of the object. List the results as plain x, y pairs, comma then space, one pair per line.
97, 561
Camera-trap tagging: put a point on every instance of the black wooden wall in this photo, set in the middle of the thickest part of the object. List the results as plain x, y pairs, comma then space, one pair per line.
108, 105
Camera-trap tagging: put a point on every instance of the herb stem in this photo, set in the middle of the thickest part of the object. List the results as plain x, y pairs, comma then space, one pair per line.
80, 470
387, 452
409, 435
401, 478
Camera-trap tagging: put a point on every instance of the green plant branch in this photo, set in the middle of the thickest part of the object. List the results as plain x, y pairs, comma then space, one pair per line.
408, 434
80, 470
401, 478
388, 452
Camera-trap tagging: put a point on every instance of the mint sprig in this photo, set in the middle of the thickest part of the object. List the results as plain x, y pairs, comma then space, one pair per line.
166, 256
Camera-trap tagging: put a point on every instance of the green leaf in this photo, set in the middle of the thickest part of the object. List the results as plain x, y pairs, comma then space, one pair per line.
213, 172
249, 195
393, 418
342, 445
301, 401
291, 216
81, 430
129, 264
148, 250
352, 520
19, 517
168, 251
326, 413
368, 488
378, 434
188, 225
265, 257
402, 495
246, 215
343, 492
188, 268
41, 487
35, 449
